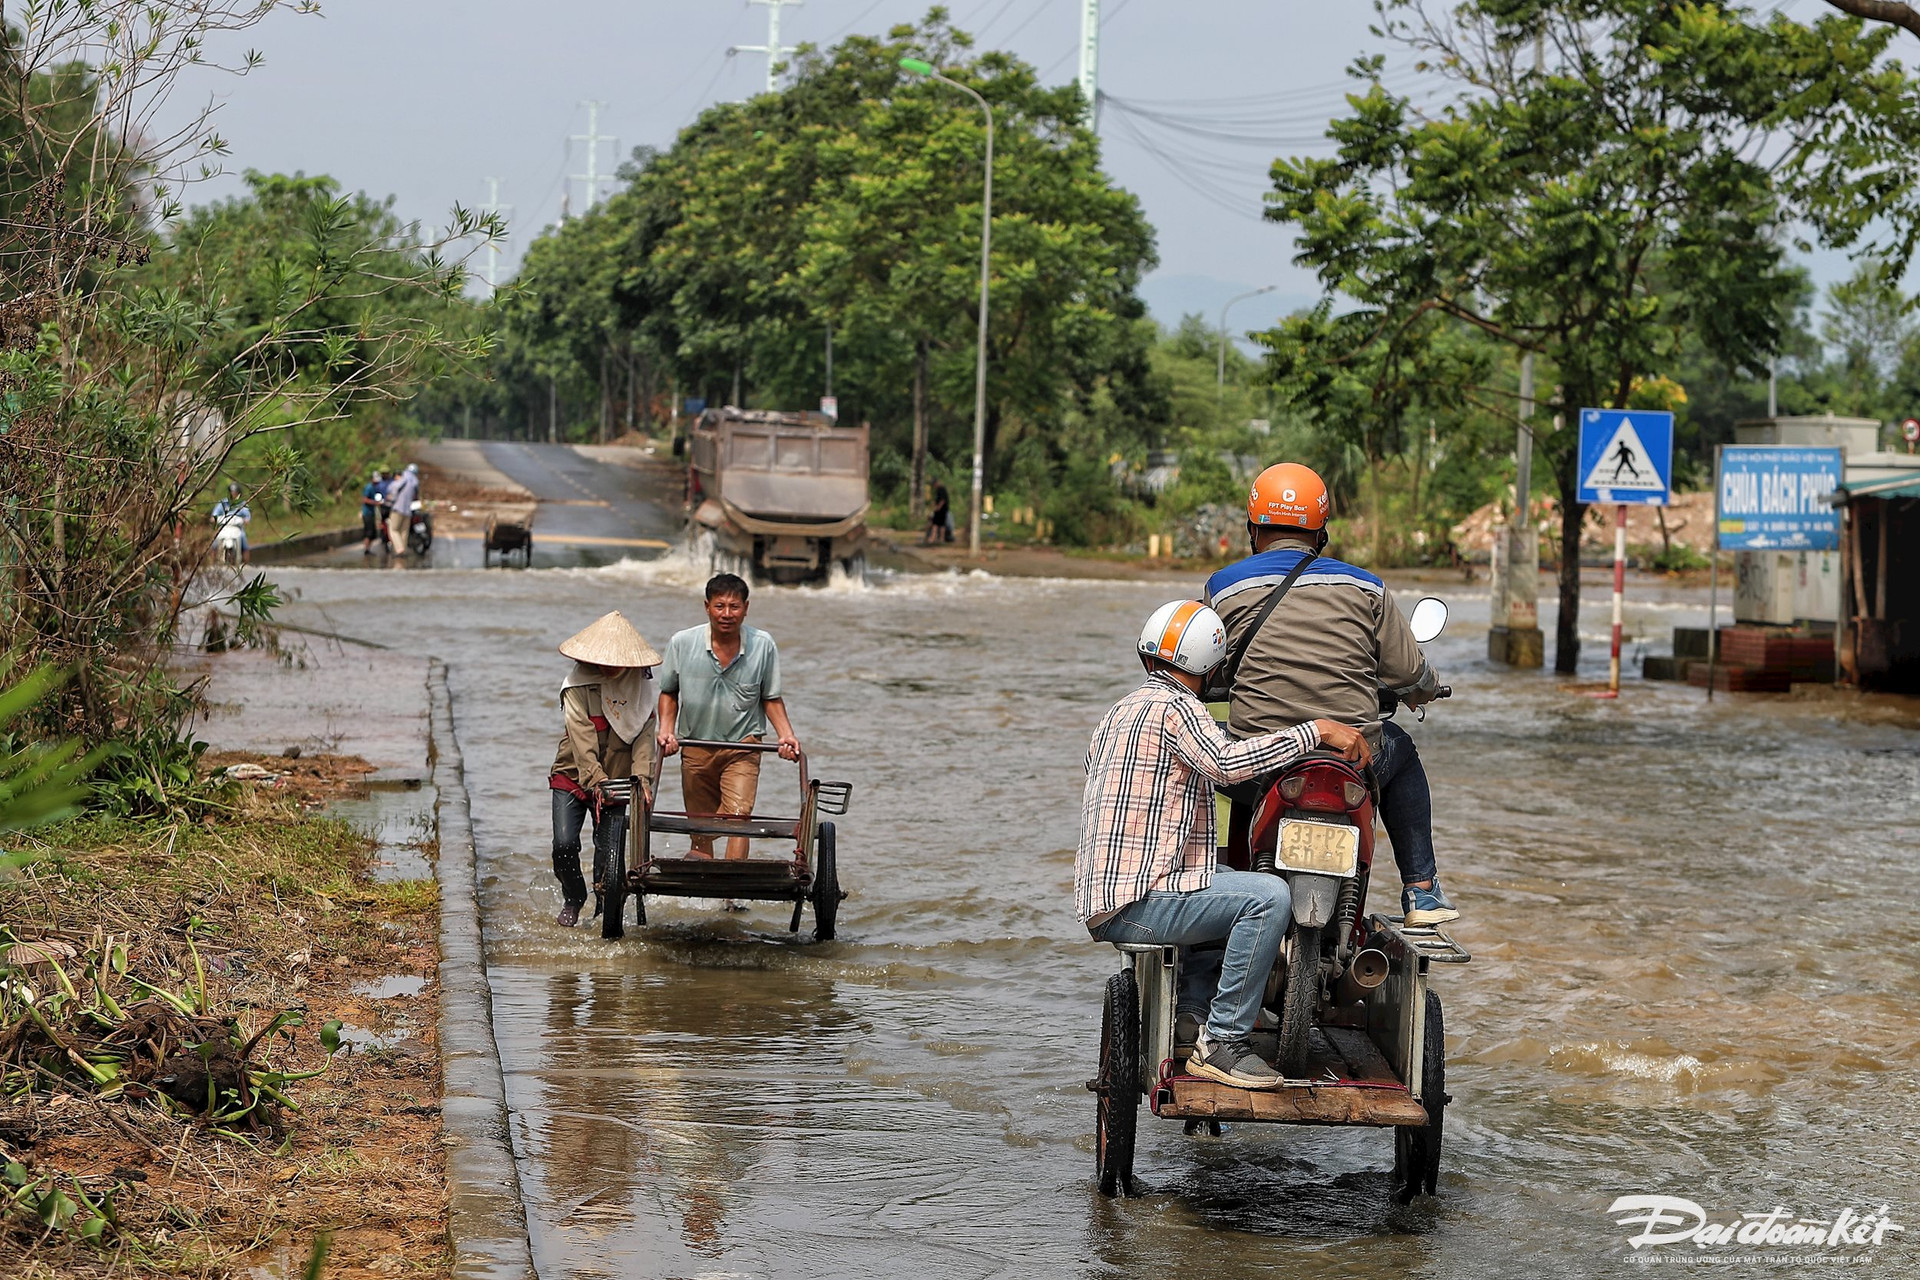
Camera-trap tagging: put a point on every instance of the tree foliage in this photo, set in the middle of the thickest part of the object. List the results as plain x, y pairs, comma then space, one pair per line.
852, 200
139, 348
1613, 180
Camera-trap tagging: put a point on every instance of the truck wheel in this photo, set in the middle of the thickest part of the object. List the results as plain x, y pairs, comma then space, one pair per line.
1416, 1149
1116, 1089
826, 885
856, 567
1298, 1001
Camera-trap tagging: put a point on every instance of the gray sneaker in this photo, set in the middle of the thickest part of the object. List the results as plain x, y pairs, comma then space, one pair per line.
1235, 1064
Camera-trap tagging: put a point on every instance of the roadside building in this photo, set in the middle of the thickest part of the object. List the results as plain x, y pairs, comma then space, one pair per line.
1879, 635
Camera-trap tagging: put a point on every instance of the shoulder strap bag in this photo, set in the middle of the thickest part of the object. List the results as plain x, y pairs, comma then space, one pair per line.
1219, 682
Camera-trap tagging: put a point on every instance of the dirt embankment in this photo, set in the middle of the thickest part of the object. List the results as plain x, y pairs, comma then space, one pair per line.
165, 990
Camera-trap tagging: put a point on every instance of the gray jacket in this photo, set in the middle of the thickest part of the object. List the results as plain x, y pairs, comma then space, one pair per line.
1330, 643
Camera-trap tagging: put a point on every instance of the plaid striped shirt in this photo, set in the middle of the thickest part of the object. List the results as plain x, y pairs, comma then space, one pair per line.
1147, 821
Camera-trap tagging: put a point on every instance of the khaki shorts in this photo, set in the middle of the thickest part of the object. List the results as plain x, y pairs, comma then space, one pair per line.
719, 780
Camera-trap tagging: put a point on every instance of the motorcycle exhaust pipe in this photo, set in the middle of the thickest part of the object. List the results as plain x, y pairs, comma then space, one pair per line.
1368, 970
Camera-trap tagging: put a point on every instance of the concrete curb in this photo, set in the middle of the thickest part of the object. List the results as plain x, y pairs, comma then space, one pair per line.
307, 544
486, 1218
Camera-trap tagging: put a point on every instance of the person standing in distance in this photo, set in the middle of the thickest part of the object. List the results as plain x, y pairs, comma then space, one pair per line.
402, 492
372, 498
721, 683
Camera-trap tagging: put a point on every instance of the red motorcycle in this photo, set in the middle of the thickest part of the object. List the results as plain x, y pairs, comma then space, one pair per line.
1315, 827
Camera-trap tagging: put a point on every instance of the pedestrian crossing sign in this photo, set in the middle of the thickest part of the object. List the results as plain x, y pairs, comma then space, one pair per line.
1626, 455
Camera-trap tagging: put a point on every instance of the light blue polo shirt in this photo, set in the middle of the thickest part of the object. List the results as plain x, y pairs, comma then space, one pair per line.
721, 705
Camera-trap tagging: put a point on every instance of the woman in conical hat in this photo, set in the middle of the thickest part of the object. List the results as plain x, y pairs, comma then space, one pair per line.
608, 702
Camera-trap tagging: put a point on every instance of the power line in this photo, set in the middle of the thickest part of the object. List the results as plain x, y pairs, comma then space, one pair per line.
856, 22
700, 99
1001, 12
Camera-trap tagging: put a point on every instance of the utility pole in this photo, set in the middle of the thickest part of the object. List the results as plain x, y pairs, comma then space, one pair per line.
1515, 638
921, 67
593, 138
774, 50
494, 208
1090, 59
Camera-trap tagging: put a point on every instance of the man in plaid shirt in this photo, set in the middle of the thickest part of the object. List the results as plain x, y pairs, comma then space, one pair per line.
1145, 869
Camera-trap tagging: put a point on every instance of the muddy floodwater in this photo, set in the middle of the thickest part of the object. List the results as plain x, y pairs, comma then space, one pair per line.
1696, 961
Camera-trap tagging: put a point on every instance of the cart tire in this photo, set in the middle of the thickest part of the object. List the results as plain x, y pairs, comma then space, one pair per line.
614, 885
1416, 1149
826, 885
1298, 1001
1117, 1088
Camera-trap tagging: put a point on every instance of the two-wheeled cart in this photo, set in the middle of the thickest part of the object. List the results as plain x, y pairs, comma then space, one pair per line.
808, 875
1379, 1061
504, 537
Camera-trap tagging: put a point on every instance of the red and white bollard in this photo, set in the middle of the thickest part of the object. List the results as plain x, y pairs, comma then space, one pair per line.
1619, 595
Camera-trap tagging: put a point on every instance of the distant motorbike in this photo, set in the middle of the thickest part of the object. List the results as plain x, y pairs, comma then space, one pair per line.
1314, 827
419, 531
229, 543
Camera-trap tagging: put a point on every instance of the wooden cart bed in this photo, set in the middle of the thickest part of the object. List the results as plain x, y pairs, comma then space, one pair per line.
1349, 1082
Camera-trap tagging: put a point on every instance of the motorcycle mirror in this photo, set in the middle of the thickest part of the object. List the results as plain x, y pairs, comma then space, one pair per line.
1429, 618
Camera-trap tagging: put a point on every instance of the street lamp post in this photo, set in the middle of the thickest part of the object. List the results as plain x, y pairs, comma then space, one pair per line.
922, 68
1220, 374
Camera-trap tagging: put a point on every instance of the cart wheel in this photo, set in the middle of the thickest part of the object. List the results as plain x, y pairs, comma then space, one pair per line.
826, 885
1117, 1088
1416, 1150
614, 883
1298, 1001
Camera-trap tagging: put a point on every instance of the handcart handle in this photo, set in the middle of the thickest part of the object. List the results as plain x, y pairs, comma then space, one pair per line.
735, 746
800, 756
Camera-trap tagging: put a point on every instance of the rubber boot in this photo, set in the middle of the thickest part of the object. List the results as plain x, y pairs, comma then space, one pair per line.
566, 868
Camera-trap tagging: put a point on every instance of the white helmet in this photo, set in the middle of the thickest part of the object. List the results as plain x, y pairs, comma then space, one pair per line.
1186, 634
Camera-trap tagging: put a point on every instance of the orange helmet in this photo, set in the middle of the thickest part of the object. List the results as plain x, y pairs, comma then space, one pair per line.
1288, 494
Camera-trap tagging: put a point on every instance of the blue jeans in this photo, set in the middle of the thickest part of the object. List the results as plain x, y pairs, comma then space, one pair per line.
1406, 803
1248, 909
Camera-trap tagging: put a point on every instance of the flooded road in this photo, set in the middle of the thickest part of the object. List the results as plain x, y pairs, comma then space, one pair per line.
1694, 935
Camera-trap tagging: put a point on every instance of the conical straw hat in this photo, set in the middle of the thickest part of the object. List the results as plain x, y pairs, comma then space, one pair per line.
611, 642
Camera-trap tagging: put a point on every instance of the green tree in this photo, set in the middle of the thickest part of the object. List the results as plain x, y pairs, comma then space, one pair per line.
133, 365
1630, 193
851, 199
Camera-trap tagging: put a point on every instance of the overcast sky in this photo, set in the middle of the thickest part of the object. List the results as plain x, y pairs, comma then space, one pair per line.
424, 100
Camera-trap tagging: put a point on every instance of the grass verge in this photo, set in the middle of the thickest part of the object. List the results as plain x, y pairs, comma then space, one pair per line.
174, 1096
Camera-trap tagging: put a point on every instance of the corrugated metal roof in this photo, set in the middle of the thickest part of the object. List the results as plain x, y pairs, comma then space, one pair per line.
1884, 487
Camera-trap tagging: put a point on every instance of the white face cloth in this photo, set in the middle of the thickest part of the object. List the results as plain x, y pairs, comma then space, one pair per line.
630, 695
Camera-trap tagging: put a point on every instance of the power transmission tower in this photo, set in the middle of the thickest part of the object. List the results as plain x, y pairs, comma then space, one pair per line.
772, 48
593, 138
1090, 59
493, 207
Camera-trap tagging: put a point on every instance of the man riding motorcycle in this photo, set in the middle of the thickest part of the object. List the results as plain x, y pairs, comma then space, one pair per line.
1333, 640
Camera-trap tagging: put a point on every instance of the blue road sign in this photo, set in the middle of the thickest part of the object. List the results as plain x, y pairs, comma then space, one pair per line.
1626, 455
1776, 496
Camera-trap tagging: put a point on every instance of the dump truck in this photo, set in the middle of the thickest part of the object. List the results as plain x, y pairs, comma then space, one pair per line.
778, 497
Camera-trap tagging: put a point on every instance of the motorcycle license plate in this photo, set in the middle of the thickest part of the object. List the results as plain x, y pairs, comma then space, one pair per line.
1327, 847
